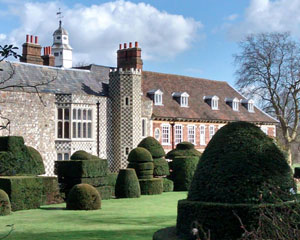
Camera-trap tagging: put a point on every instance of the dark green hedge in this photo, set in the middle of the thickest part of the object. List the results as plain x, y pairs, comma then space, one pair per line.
83, 155
241, 164
153, 146
183, 172
185, 146
81, 169
50, 194
127, 185
144, 173
151, 186
106, 192
297, 172
37, 157
139, 154
146, 176
15, 158
94, 181
83, 197
183, 149
161, 167
5, 206
25, 192
168, 185
141, 166
112, 179
220, 220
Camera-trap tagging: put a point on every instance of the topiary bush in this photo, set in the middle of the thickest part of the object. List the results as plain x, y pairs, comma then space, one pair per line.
151, 186
83, 197
241, 170
37, 157
161, 167
168, 185
5, 207
139, 155
153, 146
127, 185
183, 172
83, 155
15, 158
183, 149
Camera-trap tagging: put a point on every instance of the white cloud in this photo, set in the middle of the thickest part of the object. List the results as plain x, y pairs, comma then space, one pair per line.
2, 36
96, 31
232, 17
269, 16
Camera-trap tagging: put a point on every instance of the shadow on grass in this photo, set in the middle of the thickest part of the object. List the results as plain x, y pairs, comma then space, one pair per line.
52, 208
128, 234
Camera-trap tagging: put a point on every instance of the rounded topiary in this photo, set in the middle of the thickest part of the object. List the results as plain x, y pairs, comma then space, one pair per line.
183, 149
141, 166
161, 167
38, 159
241, 172
183, 172
153, 146
127, 185
168, 185
83, 155
139, 154
151, 186
5, 206
83, 197
239, 165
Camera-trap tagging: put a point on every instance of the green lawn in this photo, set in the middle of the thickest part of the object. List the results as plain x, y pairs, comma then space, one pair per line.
126, 219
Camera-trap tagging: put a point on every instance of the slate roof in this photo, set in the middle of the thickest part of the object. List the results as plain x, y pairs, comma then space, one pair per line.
198, 109
91, 81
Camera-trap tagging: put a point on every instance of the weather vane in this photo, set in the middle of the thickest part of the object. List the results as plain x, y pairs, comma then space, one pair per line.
60, 16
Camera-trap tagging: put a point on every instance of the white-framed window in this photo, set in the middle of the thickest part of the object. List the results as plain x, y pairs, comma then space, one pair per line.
165, 137
202, 135
264, 129
63, 123
214, 103
250, 106
158, 98
235, 104
63, 156
192, 134
157, 134
211, 131
144, 127
178, 134
184, 101
82, 123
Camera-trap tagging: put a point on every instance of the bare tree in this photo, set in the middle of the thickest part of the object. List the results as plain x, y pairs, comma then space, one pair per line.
269, 70
7, 51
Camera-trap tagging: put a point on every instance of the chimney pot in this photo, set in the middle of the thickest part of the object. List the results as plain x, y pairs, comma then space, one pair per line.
136, 44
44, 51
50, 50
130, 45
27, 38
125, 45
36, 40
31, 39
120, 46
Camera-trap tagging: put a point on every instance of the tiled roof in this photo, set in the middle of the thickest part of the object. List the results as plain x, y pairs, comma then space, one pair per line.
198, 109
91, 81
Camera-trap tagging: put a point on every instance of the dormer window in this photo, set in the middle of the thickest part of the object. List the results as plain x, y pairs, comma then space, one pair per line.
249, 104
182, 98
156, 96
233, 102
213, 101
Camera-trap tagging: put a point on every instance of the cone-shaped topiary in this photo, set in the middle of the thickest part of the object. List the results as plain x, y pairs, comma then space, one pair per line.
139, 155
83, 155
161, 167
127, 185
183, 149
241, 172
153, 146
238, 165
38, 159
83, 197
5, 206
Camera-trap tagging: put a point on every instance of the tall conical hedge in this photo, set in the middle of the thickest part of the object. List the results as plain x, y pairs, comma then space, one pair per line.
127, 185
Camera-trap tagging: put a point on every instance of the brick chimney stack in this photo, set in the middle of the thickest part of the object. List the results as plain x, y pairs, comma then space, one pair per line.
31, 51
48, 58
130, 57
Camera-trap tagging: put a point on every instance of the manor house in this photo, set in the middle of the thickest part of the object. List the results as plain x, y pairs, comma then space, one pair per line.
108, 110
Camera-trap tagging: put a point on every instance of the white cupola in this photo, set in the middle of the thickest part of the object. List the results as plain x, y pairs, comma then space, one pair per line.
61, 49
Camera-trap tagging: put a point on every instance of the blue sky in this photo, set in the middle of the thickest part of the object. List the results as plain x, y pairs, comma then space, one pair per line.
192, 37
